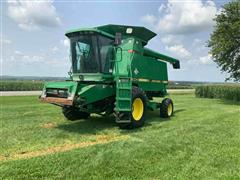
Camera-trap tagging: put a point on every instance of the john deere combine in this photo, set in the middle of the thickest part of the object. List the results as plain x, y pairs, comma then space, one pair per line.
112, 72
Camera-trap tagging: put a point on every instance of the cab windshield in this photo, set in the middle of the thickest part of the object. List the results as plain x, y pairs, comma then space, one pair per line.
91, 53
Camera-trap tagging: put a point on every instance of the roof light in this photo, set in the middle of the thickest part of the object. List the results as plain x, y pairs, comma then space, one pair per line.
129, 30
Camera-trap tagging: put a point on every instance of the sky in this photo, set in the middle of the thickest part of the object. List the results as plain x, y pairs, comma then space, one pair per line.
33, 41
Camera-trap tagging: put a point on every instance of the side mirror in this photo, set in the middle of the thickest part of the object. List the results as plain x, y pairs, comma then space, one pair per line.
176, 65
118, 39
70, 72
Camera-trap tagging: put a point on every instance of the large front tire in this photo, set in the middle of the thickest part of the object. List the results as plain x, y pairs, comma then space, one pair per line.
137, 116
72, 113
166, 108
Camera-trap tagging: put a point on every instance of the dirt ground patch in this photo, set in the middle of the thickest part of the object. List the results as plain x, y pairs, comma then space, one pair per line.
49, 125
100, 139
2, 158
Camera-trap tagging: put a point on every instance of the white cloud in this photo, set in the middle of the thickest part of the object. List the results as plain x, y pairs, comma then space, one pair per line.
19, 57
4, 40
55, 49
183, 17
48, 57
18, 52
65, 42
206, 59
35, 64
199, 46
197, 41
178, 51
149, 19
30, 15
167, 39
32, 59
171, 39
162, 8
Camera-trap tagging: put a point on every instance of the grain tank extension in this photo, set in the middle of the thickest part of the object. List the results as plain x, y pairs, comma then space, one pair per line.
113, 73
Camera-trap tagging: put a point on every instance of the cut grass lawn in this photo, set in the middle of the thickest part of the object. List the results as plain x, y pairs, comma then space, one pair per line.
201, 140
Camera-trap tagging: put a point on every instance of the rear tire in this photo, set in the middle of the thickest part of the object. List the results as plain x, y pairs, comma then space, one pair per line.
137, 116
72, 113
166, 108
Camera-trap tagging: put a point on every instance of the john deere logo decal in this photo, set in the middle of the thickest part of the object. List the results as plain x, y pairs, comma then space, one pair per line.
136, 71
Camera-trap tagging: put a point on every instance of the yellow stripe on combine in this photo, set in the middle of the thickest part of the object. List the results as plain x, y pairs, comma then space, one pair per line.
149, 80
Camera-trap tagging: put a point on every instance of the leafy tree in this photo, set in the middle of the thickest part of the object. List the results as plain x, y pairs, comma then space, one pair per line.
225, 40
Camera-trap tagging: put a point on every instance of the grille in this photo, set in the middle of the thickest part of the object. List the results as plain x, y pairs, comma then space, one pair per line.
60, 93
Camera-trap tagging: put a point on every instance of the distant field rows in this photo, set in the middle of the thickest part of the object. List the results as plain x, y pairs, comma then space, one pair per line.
26, 85
20, 85
30, 93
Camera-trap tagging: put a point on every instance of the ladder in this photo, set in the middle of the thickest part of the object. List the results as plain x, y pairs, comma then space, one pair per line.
123, 104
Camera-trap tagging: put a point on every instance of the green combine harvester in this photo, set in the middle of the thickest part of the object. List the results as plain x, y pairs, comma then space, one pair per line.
112, 73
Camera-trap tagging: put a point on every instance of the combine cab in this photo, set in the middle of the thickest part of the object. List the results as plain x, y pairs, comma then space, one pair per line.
113, 72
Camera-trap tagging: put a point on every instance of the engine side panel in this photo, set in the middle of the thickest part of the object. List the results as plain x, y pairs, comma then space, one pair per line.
150, 74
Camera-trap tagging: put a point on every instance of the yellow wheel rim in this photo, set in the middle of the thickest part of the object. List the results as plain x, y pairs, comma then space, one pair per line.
170, 109
137, 109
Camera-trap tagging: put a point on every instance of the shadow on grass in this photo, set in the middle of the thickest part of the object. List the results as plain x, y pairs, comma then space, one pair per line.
91, 125
178, 111
229, 102
155, 116
97, 124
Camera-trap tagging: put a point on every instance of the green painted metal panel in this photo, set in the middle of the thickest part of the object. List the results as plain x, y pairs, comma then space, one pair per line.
135, 31
149, 68
110, 30
149, 86
95, 92
79, 30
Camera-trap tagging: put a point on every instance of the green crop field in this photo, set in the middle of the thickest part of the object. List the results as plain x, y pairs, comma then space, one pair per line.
37, 84
201, 141
228, 92
18, 85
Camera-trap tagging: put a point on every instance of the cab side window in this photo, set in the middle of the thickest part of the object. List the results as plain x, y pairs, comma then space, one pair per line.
106, 53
